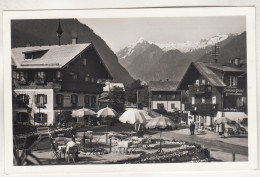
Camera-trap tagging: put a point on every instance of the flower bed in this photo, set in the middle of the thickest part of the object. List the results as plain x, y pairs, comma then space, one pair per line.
92, 150
186, 153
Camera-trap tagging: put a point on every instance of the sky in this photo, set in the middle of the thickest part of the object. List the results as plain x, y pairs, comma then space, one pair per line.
120, 32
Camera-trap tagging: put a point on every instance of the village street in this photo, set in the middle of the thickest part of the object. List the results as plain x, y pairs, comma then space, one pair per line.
219, 147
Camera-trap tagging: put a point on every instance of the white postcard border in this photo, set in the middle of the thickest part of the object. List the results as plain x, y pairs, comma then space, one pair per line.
249, 12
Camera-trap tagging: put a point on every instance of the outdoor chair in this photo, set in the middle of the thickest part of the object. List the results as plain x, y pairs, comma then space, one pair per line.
72, 153
55, 151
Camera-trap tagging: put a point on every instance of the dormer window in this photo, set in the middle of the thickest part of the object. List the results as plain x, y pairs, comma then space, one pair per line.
30, 55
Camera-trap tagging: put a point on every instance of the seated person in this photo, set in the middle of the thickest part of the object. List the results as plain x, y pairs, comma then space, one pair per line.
72, 143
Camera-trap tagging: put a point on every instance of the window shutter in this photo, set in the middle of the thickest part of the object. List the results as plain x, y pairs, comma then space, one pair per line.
26, 76
45, 118
35, 99
76, 99
36, 117
35, 76
44, 99
27, 99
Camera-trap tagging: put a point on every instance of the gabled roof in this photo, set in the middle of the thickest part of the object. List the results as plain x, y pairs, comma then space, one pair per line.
55, 57
226, 68
209, 75
163, 85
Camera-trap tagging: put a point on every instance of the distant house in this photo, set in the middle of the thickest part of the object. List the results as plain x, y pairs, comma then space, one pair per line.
215, 90
104, 99
164, 96
51, 79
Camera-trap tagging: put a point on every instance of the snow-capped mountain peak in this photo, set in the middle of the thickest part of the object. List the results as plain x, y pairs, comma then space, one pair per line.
187, 46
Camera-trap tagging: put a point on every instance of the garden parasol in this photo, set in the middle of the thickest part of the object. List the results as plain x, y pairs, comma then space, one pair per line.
222, 120
133, 116
160, 122
107, 112
83, 112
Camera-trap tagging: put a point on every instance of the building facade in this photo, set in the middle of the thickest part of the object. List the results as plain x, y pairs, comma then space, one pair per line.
52, 79
164, 96
215, 90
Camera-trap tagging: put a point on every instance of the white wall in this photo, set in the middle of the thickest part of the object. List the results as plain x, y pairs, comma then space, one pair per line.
49, 106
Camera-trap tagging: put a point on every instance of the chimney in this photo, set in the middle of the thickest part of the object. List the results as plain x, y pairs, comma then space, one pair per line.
74, 38
237, 61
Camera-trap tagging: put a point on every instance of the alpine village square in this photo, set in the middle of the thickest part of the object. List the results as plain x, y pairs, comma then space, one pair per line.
75, 101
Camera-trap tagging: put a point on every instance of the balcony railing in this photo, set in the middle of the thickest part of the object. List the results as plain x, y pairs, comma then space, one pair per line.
199, 89
205, 108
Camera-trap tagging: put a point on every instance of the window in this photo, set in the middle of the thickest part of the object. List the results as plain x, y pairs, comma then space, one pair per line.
197, 82
232, 81
239, 101
192, 100
40, 77
84, 60
203, 100
22, 117
92, 79
73, 76
40, 118
87, 78
205, 120
21, 76
173, 97
172, 106
209, 89
23, 98
203, 82
58, 74
160, 106
59, 100
74, 100
214, 100
40, 100
93, 100
159, 97
86, 100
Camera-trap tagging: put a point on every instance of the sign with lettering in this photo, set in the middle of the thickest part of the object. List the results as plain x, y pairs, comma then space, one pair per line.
233, 91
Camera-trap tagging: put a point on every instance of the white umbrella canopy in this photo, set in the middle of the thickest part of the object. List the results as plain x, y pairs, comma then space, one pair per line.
107, 112
83, 112
222, 120
133, 116
159, 122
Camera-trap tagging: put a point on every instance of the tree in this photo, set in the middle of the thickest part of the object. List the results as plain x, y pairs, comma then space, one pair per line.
65, 117
131, 91
117, 97
143, 97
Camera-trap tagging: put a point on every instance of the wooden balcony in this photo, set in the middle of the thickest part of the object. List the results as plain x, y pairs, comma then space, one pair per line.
199, 89
205, 108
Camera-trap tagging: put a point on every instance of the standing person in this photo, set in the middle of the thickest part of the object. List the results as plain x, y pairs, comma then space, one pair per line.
192, 127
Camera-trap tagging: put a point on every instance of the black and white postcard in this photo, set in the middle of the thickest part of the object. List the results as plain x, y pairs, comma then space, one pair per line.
117, 89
